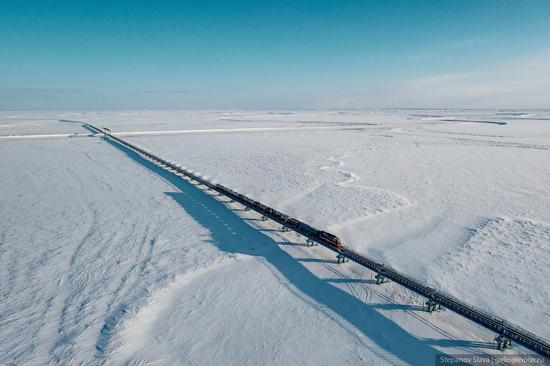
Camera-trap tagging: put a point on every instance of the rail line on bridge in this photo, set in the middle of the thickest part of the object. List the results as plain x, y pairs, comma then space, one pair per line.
435, 296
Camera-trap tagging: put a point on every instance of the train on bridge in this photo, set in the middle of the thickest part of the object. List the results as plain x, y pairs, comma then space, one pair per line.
308, 231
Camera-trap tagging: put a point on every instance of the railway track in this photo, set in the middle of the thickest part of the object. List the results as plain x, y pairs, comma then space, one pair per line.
481, 317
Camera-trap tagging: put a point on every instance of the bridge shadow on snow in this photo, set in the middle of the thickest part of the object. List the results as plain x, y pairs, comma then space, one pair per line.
85, 126
232, 234
460, 343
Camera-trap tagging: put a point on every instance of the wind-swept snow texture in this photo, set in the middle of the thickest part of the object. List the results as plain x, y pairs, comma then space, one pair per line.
108, 259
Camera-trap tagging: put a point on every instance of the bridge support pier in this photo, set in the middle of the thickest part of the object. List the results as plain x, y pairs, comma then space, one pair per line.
503, 343
341, 258
310, 243
432, 306
380, 279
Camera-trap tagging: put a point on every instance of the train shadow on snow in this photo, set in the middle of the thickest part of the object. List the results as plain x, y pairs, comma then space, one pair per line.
230, 233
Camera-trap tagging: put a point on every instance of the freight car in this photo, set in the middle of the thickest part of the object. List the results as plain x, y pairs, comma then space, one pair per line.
301, 227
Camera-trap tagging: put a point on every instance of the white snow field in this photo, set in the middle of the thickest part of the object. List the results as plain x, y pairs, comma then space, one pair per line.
108, 259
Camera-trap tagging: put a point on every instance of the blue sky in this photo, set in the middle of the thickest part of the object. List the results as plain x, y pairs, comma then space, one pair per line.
274, 54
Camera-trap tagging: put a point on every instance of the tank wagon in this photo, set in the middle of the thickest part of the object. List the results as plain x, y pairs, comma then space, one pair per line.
327, 239
322, 237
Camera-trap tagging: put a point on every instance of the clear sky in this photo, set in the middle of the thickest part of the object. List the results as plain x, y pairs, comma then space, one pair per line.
263, 54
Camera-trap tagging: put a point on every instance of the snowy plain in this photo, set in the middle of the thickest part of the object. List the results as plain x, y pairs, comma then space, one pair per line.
107, 259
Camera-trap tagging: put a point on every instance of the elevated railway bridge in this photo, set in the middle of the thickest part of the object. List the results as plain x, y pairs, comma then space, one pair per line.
506, 331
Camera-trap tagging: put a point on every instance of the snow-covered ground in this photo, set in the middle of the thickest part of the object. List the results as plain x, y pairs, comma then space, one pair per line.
105, 258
